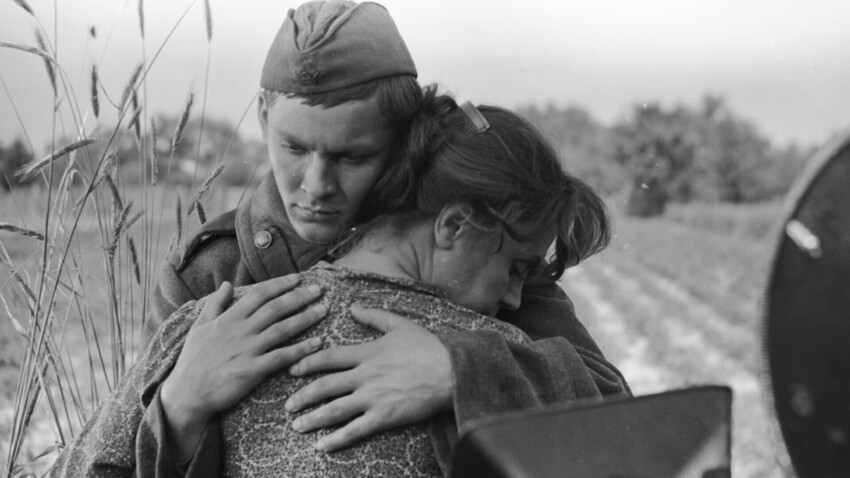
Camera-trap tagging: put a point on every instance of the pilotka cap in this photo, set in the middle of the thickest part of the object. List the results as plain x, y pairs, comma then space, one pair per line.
328, 45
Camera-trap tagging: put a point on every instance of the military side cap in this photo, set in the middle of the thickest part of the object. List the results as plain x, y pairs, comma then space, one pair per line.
328, 45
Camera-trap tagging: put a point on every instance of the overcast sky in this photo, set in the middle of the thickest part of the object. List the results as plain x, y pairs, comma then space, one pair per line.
783, 64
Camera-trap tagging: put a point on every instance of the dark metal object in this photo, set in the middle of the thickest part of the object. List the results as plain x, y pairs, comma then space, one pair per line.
683, 433
807, 317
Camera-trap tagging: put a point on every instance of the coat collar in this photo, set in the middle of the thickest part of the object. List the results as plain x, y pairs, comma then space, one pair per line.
269, 245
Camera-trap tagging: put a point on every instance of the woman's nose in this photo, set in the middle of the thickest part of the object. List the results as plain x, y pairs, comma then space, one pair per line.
320, 177
513, 295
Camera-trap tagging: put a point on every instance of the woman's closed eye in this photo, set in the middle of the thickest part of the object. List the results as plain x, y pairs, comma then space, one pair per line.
526, 270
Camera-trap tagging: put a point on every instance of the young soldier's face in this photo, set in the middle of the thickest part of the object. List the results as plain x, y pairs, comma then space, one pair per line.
325, 160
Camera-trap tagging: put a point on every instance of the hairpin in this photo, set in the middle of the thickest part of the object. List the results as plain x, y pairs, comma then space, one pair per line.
477, 122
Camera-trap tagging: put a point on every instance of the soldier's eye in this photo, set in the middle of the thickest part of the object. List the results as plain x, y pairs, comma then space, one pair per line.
294, 148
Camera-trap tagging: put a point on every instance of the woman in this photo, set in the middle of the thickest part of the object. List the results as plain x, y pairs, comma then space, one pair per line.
490, 200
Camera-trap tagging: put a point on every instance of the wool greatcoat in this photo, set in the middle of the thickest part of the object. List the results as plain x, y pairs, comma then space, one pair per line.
255, 243
126, 435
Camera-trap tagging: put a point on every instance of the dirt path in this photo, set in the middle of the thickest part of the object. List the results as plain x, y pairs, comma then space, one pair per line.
662, 337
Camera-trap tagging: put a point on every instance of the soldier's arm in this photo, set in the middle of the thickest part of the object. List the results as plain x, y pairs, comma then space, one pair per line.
170, 293
486, 374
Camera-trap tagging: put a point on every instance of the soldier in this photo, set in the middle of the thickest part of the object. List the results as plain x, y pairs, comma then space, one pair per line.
338, 91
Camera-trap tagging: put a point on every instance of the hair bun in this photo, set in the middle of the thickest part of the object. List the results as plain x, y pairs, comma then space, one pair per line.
427, 130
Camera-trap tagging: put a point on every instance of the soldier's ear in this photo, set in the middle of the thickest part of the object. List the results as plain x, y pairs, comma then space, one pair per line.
263, 115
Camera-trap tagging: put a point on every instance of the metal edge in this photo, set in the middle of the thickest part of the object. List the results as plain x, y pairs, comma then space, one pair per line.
798, 192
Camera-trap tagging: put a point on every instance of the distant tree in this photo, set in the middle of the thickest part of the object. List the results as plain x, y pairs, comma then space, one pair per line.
582, 142
707, 154
658, 149
12, 159
738, 156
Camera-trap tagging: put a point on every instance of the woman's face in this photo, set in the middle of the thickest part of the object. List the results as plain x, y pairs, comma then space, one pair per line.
485, 272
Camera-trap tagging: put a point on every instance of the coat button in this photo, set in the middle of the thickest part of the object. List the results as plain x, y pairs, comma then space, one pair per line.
263, 239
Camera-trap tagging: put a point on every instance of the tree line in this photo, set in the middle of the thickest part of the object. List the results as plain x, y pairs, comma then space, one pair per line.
654, 155
681, 153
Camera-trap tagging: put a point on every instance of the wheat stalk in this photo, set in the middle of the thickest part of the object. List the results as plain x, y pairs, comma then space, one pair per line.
23, 4
130, 86
17, 276
179, 220
30, 171
28, 49
134, 219
142, 17
208, 18
181, 125
95, 103
4, 226
134, 259
154, 168
203, 189
202, 216
119, 227
51, 73
134, 120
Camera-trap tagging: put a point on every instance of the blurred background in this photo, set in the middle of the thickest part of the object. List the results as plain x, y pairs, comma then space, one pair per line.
692, 118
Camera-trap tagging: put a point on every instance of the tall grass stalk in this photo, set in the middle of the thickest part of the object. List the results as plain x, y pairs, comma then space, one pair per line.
79, 282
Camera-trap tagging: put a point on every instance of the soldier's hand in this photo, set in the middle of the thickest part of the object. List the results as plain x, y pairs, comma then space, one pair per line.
230, 350
401, 378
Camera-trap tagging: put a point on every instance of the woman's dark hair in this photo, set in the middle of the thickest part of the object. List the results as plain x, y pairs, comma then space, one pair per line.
508, 173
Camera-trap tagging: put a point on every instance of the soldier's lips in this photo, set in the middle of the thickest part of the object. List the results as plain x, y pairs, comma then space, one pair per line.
316, 214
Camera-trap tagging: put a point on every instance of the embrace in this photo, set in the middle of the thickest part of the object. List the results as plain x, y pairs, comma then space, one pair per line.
391, 281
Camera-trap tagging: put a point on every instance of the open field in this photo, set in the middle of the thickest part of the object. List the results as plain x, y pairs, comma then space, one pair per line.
673, 302
99, 305
676, 303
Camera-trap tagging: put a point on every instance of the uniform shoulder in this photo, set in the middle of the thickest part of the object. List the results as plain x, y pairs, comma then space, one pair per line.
221, 228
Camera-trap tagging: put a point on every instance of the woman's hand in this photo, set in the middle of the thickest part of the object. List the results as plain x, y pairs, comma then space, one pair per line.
229, 351
401, 378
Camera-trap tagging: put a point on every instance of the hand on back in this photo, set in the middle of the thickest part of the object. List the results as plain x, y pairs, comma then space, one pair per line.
231, 349
401, 378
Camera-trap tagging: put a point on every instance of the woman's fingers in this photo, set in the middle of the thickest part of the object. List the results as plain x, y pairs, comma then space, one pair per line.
333, 413
283, 330
277, 359
323, 388
354, 431
342, 357
381, 320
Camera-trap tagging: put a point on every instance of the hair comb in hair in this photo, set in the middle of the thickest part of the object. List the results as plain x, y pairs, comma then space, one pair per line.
476, 122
